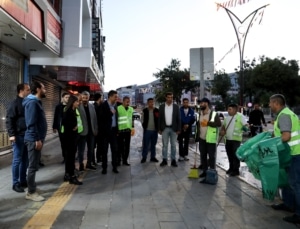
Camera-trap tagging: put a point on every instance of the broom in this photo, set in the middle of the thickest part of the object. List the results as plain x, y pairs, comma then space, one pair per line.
194, 170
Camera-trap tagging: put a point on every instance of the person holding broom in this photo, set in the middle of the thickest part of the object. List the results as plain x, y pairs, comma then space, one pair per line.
232, 130
207, 135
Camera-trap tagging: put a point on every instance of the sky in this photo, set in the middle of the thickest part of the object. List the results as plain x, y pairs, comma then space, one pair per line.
142, 36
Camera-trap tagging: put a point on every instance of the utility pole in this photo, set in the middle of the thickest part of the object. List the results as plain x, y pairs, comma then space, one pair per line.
241, 43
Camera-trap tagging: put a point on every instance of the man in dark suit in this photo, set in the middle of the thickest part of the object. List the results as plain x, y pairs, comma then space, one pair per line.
108, 127
169, 125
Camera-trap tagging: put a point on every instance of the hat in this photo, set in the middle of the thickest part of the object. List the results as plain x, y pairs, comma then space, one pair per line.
205, 100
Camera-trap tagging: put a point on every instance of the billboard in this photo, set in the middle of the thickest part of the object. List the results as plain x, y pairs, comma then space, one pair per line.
201, 62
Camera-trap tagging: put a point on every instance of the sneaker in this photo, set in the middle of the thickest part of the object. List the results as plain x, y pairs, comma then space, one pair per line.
143, 160
34, 197
292, 219
173, 163
181, 158
281, 207
90, 167
186, 158
164, 162
18, 188
154, 160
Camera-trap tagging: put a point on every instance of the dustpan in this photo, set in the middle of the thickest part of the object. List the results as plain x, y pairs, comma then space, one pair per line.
194, 170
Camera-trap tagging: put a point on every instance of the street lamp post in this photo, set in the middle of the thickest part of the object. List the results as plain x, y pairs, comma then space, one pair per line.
241, 43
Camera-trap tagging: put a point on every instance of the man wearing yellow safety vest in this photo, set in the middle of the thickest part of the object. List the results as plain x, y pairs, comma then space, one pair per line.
287, 127
232, 129
125, 129
208, 133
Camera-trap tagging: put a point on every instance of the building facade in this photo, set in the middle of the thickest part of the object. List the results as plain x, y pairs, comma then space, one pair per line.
57, 42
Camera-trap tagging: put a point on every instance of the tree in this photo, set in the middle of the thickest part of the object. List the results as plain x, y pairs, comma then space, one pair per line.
277, 75
221, 84
173, 80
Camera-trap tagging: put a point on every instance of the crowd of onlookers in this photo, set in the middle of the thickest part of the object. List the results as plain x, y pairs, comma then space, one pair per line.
109, 123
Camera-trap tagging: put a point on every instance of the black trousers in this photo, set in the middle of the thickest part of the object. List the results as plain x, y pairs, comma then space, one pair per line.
124, 145
183, 143
231, 147
110, 139
70, 153
207, 149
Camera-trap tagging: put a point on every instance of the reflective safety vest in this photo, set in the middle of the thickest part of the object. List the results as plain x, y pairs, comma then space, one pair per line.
237, 134
294, 142
124, 117
212, 132
79, 123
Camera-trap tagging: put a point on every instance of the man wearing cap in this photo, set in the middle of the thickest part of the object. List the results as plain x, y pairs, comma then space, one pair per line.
208, 125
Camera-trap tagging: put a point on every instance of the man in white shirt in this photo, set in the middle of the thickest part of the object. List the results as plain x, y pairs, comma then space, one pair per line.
169, 125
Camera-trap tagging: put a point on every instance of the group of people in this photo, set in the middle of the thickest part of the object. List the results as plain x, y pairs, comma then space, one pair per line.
109, 123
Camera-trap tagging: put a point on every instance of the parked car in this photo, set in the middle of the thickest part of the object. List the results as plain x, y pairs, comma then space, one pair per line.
222, 115
136, 115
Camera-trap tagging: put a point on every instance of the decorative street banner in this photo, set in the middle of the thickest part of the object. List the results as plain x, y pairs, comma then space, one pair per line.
231, 3
257, 18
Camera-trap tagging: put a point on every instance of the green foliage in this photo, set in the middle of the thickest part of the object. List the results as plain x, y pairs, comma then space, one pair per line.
173, 80
221, 84
266, 76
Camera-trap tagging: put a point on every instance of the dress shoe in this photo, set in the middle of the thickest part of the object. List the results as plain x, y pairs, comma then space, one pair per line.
154, 160
173, 163
81, 167
115, 170
126, 163
164, 162
234, 173
228, 171
73, 180
41, 164
90, 167
18, 188
104, 171
281, 207
292, 219
186, 158
181, 158
200, 167
143, 160
24, 184
66, 177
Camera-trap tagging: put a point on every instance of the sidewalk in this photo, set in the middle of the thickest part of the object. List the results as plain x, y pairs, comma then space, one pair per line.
140, 196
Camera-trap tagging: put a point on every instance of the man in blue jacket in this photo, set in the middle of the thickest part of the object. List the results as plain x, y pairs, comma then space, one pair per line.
187, 116
35, 135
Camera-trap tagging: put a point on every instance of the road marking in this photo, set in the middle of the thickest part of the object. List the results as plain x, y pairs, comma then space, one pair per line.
47, 214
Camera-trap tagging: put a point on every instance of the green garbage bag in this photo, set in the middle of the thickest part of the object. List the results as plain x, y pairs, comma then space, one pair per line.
249, 153
275, 157
269, 167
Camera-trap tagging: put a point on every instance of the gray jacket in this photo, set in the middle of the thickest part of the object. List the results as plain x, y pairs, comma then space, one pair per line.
85, 122
176, 121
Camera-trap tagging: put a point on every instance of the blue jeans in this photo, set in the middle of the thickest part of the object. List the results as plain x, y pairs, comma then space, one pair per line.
168, 133
19, 161
34, 159
150, 137
291, 195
